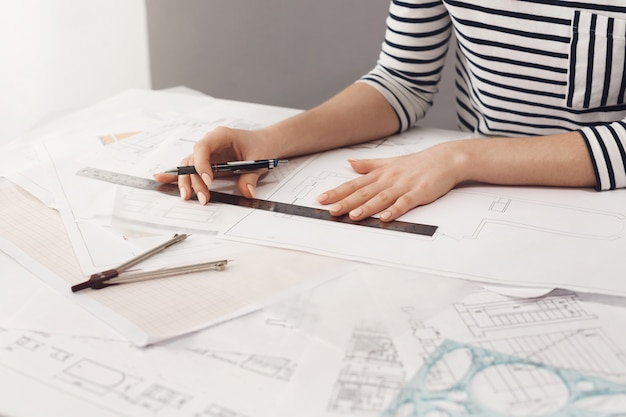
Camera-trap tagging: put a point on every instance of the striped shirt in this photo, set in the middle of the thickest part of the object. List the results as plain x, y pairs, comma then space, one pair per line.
523, 67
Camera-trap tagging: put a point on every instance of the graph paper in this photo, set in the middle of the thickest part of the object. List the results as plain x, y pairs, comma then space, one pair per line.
148, 312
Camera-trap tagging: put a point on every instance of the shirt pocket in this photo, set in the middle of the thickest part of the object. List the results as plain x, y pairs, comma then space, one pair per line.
596, 75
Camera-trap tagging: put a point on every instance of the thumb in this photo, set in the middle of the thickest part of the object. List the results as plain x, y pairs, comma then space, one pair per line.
247, 184
364, 166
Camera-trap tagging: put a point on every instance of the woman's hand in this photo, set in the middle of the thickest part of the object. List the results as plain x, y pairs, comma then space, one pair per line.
220, 145
393, 186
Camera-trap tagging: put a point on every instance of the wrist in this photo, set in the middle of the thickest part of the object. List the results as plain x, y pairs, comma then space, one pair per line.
269, 140
281, 140
460, 159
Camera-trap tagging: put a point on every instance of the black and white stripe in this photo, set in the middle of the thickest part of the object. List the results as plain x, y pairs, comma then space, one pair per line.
523, 67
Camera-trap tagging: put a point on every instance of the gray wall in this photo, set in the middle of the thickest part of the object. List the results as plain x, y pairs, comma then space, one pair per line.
282, 52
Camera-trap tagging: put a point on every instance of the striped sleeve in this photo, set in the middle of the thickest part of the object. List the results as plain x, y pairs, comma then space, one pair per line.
606, 144
407, 79
602, 80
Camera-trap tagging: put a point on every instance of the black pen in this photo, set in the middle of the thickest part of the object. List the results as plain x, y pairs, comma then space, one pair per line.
235, 167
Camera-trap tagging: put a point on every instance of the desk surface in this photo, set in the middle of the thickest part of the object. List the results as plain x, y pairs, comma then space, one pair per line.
387, 327
348, 346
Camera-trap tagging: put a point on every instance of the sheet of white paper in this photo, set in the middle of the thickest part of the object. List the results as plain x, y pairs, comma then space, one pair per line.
148, 312
357, 340
110, 120
20, 284
526, 236
49, 311
364, 375
84, 202
128, 381
256, 356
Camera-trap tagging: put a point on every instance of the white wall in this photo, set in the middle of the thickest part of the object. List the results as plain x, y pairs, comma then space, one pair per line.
57, 55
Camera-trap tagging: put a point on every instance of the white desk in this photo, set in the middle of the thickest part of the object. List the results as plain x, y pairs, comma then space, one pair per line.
346, 347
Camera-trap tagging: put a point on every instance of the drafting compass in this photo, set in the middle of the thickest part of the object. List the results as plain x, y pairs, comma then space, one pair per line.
114, 276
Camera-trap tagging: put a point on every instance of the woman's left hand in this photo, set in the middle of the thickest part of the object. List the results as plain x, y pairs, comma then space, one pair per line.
393, 186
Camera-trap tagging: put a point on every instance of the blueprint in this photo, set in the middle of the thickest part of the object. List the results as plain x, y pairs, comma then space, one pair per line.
477, 375
156, 310
99, 226
92, 209
485, 355
361, 345
486, 233
408, 330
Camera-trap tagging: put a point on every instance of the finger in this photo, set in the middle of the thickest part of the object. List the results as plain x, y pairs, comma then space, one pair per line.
407, 202
202, 180
370, 201
188, 184
365, 166
354, 188
201, 159
402, 205
184, 182
247, 184
200, 187
362, 166
165, 178
361, 203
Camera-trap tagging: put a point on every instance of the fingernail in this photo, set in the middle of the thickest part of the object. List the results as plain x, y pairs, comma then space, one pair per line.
335, 207
202, 198
252, 190
183, 193
356, 212
322, 197
207, 179
385, 215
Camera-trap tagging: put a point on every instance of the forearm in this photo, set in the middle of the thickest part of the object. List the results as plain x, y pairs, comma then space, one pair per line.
357, 114
556, 160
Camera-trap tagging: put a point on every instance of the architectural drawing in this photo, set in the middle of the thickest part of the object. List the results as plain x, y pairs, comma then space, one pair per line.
489, 208
556, 228
274, 367
559, 330
485, 355
588, 350
371, 373
464, 380
482, 318
215, 410
134, 205
98, 378
88, 377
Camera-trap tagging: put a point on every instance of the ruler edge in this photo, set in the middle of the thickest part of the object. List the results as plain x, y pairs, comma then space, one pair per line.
344, 219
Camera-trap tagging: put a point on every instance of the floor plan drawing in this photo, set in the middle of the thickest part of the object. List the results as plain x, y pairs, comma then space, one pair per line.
383, 324
588, 350
371, 373
559, 329
215, 410
275, 367
127, 382
89, 377
482, 318
555, 227
465, 380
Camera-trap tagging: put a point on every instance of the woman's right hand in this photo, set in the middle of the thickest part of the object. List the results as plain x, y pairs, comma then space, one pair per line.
220, 145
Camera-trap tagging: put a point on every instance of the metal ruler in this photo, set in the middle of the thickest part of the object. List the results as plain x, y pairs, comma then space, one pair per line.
255, 203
